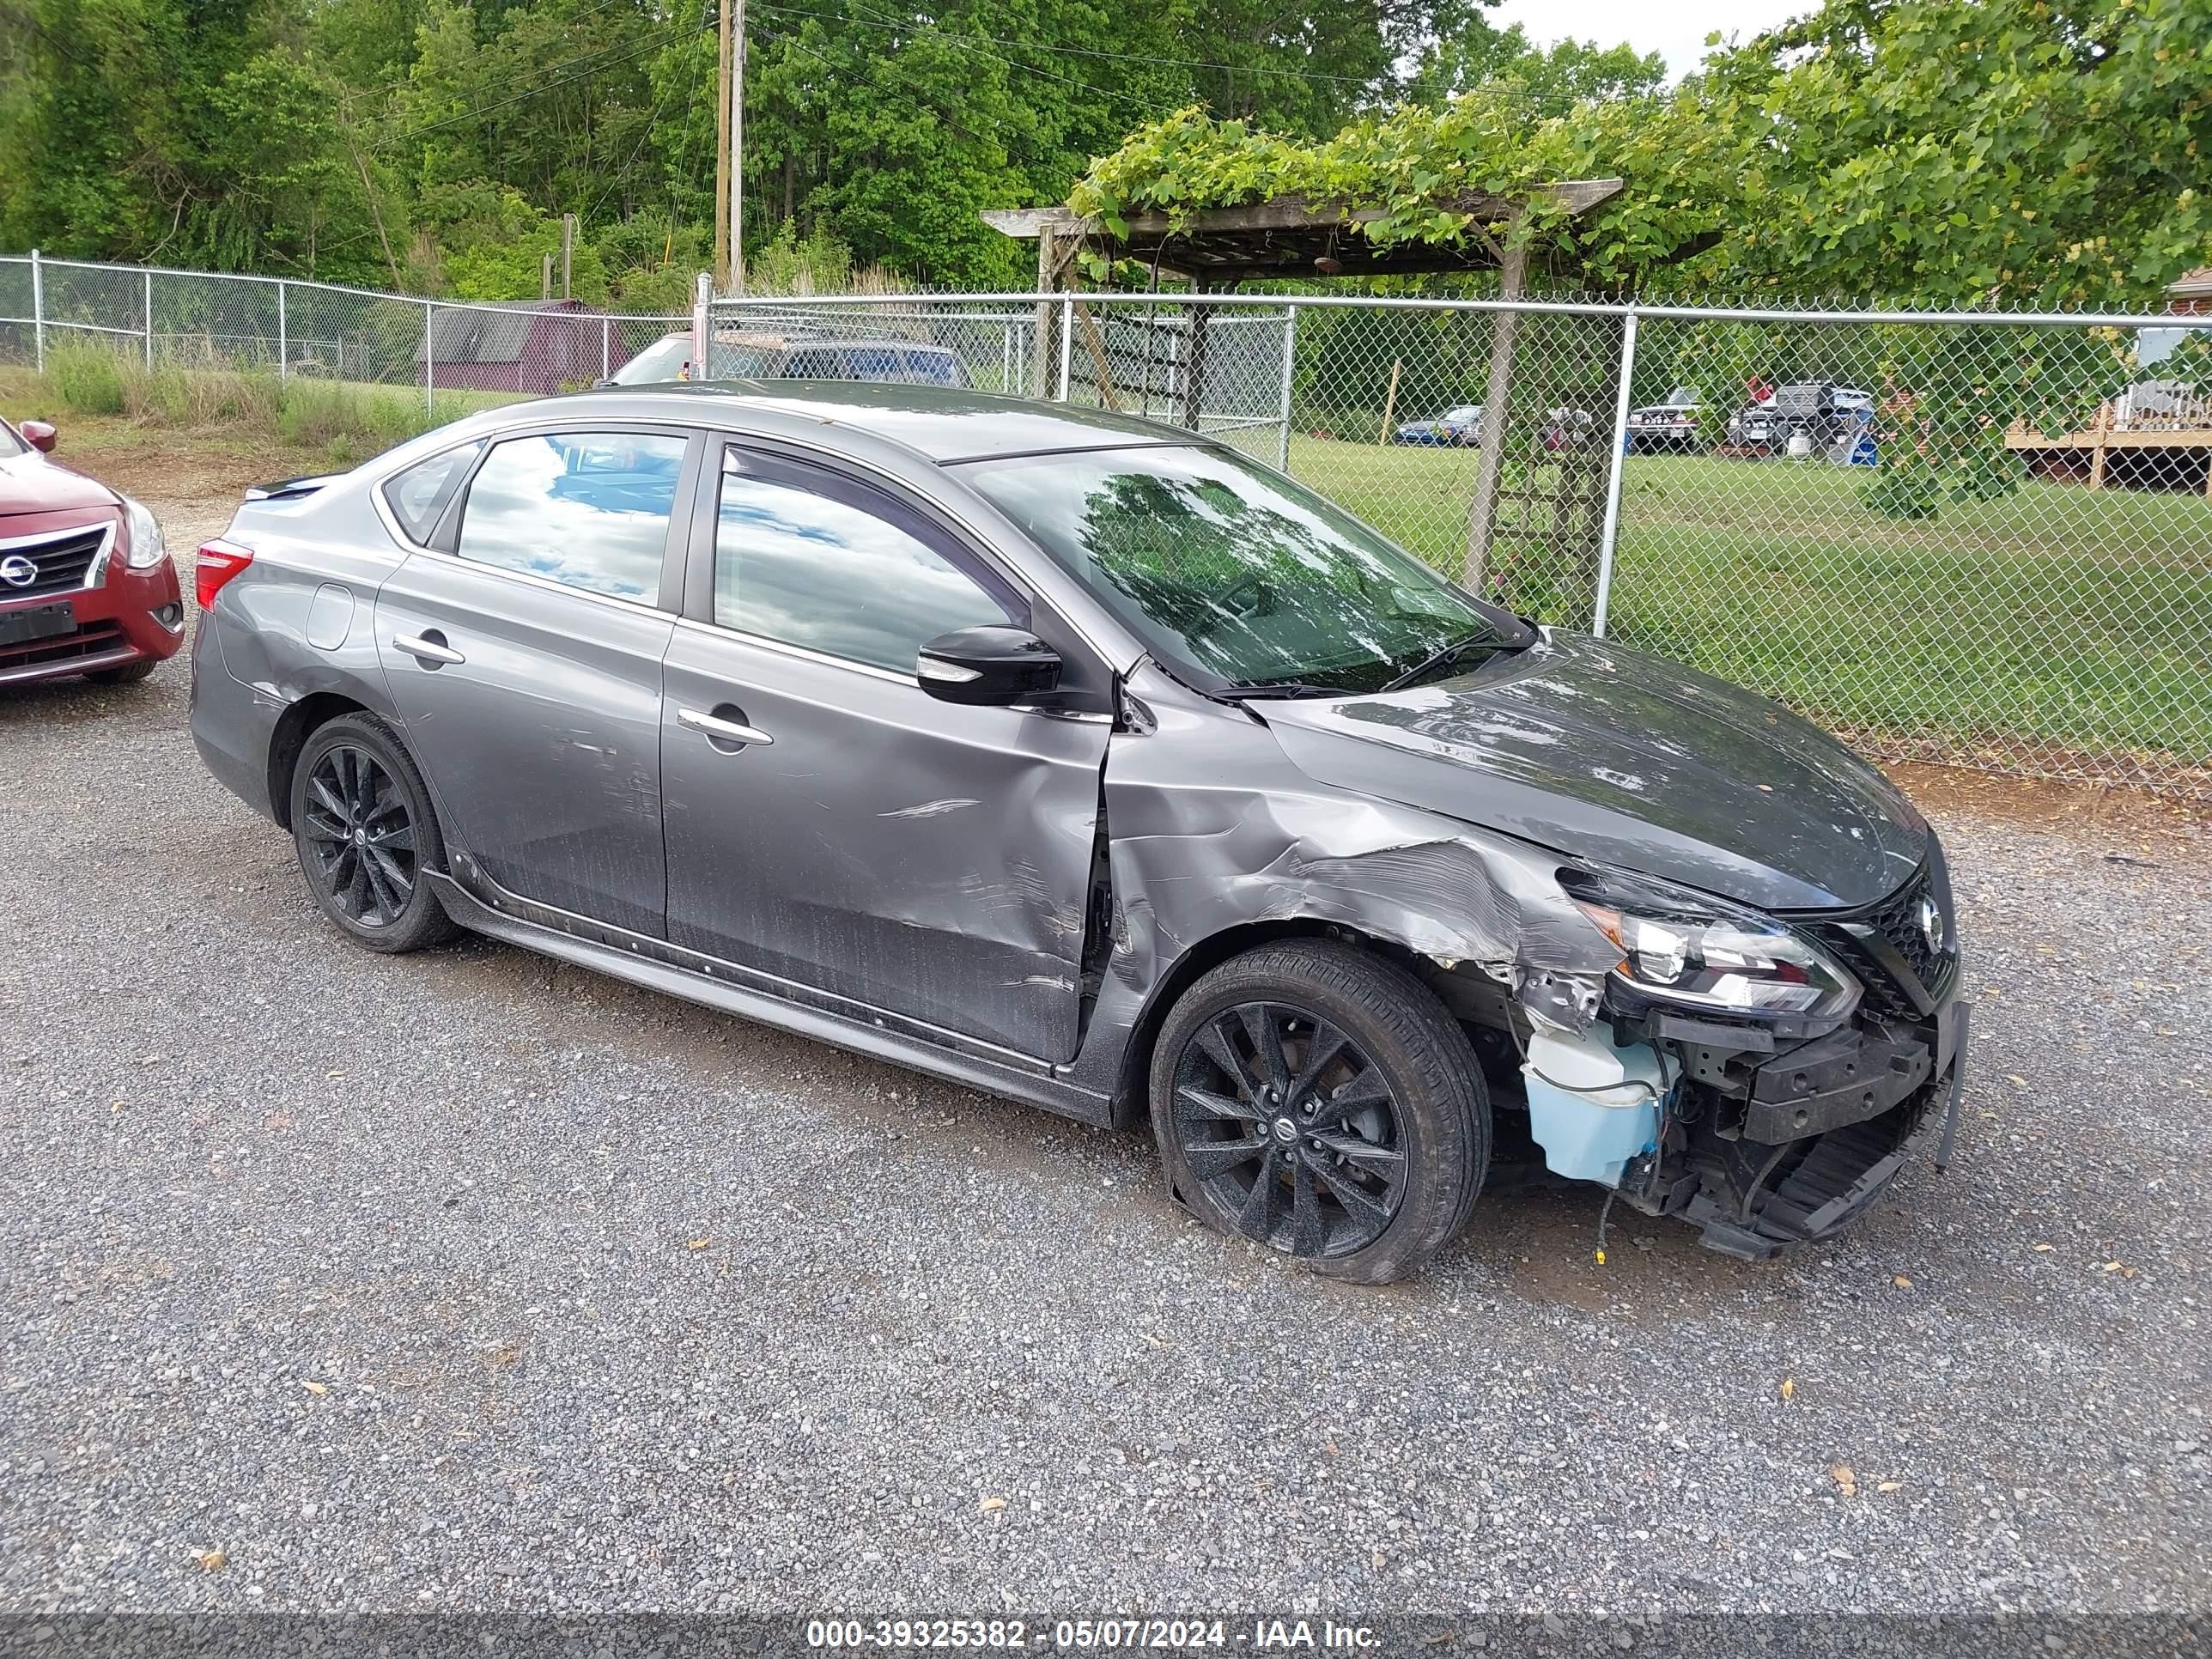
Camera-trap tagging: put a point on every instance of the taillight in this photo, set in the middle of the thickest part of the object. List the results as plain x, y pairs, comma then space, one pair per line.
219, 561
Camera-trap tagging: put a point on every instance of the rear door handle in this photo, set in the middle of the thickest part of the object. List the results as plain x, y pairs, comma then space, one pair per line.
424, 650
726, 731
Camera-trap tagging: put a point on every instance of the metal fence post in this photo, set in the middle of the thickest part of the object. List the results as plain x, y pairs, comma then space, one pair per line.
606, 346
283, 337
150, 321
37, 311
702, 305
429, 360
1066, 340
1611, 531
1290, 355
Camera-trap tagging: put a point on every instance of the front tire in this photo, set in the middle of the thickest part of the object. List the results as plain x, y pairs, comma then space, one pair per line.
1320, 1100
363, 827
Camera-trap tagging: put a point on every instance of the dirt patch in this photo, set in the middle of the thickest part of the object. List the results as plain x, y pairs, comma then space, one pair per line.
2131, 823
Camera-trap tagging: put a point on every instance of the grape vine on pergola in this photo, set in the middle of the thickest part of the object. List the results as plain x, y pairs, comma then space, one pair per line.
1292, 236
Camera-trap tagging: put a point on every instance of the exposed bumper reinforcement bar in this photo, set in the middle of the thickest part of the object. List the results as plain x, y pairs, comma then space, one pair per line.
1842, 1172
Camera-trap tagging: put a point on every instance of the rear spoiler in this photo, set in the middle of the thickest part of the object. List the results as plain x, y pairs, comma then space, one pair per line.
290, 489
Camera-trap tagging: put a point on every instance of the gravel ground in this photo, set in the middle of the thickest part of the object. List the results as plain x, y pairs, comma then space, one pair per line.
469, 1281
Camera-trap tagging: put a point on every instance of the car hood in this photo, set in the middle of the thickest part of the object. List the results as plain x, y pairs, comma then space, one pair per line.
32, 483
1625, 759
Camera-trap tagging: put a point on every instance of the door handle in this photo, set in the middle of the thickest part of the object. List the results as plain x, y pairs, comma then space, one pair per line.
426, 650
726, 730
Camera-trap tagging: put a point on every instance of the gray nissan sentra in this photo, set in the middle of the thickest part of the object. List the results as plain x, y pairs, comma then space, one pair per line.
1088, 762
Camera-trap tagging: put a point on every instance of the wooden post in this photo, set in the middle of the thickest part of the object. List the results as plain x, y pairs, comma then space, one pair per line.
1097, 348
1497, 405
1040, 348
2097, 453
1390, 400
722, 151
737, 149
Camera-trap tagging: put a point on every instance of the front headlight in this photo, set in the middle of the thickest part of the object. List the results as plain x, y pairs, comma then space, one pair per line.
1682, 946
143, 547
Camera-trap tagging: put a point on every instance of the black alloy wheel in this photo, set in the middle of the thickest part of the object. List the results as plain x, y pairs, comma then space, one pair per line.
366, 838
1318, 1098
362, 836
1291, 1128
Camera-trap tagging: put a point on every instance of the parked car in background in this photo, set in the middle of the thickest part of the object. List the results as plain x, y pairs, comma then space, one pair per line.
1673, 424
86, 585
1084, 760
751, 355
1820, 409
1458, 427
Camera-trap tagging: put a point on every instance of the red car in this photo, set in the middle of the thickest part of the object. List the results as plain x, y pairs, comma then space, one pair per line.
86, 587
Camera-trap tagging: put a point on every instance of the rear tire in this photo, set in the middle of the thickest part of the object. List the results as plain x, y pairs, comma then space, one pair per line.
365, 834
1318, 1099
128, 673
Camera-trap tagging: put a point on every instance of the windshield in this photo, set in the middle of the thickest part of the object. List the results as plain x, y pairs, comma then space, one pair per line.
10, 445
1221, 566
663, 360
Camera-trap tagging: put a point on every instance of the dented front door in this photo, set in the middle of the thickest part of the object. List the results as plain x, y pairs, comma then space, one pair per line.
828, 821
917, 857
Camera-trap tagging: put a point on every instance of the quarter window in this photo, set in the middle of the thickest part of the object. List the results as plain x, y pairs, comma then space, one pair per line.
588, 509
812, 560
418, 497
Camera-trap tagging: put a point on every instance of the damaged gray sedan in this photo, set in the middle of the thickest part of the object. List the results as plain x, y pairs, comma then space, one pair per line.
1086, 762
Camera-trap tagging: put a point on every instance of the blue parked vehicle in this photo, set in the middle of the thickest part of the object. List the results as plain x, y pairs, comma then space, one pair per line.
1457, 428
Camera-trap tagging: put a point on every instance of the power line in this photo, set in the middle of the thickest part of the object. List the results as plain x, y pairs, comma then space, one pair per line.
967, 44
645, 136
653, 42
1087, 52
589, 11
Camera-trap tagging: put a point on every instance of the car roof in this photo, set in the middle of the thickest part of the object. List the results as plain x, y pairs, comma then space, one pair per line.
944, 423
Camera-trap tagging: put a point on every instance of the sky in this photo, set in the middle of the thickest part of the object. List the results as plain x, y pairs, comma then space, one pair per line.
1676, 28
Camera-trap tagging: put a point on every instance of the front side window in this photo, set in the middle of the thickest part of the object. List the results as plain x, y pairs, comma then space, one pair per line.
813, 561
418, 497
588, 509
1215, 562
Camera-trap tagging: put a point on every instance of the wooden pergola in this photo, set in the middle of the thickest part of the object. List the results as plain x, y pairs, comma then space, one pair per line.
1291, 236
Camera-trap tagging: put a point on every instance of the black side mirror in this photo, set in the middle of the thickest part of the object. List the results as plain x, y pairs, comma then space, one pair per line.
988, 666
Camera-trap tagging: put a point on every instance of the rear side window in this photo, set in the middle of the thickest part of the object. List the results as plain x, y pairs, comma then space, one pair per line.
816, 561
417, 496
590, 509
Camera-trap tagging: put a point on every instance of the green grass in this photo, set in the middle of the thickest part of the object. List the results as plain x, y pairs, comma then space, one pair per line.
2058, 619
342, 421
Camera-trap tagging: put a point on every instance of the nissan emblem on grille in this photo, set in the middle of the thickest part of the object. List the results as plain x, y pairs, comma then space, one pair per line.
1931, 925
17, 571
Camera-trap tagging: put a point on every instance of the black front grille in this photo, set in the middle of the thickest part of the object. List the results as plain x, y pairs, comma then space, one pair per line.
60, 560
1897, 921
89, 640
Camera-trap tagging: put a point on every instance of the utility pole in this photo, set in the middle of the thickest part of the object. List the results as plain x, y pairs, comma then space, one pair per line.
737, 147
568, 251
722, 150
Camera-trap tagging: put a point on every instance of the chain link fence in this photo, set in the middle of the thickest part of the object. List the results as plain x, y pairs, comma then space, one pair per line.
1972, 539
1965, 538
459, 355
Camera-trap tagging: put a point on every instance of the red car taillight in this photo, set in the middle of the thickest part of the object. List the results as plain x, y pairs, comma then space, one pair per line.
219, 561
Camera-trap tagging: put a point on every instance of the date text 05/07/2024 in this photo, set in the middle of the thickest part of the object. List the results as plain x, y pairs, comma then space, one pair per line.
1168, 1635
